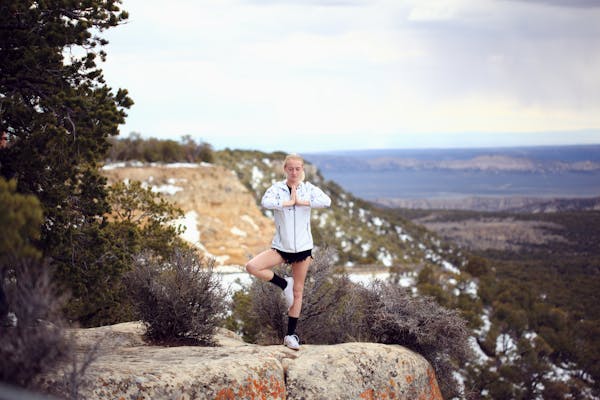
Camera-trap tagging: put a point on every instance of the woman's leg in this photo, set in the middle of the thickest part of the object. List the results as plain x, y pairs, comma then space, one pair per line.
299, 271
261, 265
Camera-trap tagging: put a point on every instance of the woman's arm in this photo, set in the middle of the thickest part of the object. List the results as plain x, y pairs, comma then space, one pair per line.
273, 200
317, 198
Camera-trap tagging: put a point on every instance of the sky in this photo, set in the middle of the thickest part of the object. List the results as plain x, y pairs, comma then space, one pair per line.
322, 75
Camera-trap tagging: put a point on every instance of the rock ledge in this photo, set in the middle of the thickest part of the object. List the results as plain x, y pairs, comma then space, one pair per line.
129, 369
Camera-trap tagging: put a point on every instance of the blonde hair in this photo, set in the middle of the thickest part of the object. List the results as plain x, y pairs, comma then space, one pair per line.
294, 156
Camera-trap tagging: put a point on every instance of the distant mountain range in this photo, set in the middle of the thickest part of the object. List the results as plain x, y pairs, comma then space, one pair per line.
541, 159
529, 179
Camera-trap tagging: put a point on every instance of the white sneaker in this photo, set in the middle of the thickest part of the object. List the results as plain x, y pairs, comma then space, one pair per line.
288, 292
292, 341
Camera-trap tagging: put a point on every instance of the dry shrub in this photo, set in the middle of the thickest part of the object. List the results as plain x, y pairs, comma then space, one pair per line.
37, 344
329, 311
396, 316
180, 300
38, 347
267, 312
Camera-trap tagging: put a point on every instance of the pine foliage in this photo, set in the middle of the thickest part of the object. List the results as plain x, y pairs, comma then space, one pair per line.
59, 113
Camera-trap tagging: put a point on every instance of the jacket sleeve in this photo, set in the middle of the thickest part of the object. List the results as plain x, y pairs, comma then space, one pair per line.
318, 198
272, 199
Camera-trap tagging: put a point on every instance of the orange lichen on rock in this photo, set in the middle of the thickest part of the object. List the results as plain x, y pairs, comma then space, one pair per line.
429, 392
263, 389
436, 393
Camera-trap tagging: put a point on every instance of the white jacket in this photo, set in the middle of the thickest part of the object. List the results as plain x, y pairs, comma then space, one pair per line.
292, 223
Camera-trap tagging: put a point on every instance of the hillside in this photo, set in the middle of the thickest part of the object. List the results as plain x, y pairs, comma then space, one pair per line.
544, 281
221, 217
224, 219
363, 234
495, 296
492, 294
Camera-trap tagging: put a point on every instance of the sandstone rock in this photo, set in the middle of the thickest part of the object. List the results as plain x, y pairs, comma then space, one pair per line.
126, 368
360, 371
222, 217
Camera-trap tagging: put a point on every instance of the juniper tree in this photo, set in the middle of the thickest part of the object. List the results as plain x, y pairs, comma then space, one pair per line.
59, 112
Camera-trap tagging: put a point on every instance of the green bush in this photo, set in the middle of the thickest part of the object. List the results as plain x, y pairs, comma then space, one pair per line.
134, 147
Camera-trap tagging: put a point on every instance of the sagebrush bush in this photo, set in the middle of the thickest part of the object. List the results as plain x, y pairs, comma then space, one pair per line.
180, 299
394, 315
37, 344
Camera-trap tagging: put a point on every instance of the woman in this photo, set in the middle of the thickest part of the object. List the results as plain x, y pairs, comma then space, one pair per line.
291, 201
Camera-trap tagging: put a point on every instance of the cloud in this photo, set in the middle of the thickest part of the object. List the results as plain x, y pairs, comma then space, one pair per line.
361, 71
565, 3
323, 3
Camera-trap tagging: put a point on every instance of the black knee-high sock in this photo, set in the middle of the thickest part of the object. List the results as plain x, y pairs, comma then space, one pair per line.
279, 281
292, 322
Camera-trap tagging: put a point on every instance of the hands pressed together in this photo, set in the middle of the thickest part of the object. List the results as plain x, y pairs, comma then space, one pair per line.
294, 200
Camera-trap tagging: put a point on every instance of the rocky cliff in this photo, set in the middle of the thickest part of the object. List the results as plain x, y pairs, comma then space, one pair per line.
221, 215
128, 368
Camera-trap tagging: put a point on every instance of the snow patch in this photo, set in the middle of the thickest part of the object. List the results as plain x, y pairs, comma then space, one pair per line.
385, 257
366, 278
111, 166
187, 165
238, 232
345, 245
257, 176
406, 280
450, 267
472, 289
486, 324
191, 233
480, 356
248, 219
323, 219
365, 248
506, 347
167, 189
219, 260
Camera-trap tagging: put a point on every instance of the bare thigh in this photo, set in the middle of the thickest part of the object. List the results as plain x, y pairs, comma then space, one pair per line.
262, 264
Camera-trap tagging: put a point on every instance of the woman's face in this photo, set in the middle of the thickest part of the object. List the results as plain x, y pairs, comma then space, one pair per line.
293, 170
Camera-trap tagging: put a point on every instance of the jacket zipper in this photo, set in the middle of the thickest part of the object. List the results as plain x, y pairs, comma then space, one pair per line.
295, 247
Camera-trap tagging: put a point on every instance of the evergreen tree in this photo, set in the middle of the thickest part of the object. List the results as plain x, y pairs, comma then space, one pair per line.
59, 112
20, 219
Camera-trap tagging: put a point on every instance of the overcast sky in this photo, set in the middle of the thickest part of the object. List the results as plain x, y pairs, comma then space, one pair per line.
318, 75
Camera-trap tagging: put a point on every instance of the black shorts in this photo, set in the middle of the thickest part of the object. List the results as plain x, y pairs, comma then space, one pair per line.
291, 258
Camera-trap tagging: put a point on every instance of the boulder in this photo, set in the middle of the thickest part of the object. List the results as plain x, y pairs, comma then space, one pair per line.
127, 368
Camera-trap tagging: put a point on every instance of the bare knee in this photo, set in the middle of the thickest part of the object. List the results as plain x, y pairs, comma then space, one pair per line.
251, 268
